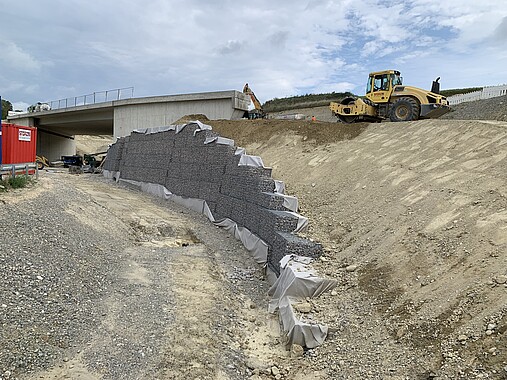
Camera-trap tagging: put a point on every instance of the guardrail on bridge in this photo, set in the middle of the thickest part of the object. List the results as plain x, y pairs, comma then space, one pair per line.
94, 98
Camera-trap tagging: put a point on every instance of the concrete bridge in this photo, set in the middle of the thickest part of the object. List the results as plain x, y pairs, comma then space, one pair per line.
57, 128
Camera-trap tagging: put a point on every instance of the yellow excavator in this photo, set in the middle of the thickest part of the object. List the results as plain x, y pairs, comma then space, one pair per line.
387, 98
257, 112
42, 162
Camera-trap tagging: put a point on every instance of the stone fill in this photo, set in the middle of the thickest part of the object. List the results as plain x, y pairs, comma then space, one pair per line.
188, 167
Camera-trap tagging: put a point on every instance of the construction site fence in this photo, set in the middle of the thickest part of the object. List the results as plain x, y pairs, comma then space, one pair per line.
29, 168
485, 93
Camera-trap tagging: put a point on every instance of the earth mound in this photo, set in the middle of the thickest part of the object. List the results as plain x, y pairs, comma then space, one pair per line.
485, 109
418, 210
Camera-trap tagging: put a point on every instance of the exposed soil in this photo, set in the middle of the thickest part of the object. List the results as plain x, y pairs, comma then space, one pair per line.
104, 282
413, 219
486, 109
421, 209
93, 144
313, 133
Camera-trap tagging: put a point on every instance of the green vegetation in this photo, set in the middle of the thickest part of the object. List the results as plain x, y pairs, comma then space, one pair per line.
14, 182
6, 107
304, 101
456, 91
317, 100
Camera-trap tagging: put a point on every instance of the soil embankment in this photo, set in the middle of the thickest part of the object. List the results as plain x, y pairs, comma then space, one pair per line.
421, 209
413, 219
485, 109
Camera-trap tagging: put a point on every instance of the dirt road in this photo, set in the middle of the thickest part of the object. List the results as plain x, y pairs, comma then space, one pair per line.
163, 294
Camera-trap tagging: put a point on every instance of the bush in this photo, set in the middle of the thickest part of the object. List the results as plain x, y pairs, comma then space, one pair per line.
304, 101
455, 91
14, 182
18, 181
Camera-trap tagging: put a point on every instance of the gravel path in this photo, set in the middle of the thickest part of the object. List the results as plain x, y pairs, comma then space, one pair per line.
104, 282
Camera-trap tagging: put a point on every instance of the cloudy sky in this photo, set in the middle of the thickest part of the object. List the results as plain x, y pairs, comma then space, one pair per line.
56, 49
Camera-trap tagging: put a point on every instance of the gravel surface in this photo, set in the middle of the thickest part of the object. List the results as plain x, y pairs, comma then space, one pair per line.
486, 109
104, 282
55, 273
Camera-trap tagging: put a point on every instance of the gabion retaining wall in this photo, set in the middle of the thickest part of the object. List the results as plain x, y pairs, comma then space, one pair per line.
188, 167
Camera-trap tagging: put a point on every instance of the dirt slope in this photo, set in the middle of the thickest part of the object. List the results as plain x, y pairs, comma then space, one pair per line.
421, 209
92, 144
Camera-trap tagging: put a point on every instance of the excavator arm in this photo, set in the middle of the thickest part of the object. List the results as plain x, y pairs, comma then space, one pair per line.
257, 104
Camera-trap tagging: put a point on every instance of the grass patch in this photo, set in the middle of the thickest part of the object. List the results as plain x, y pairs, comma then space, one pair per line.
17, 182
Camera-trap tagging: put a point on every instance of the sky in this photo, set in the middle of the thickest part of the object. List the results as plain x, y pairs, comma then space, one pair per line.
57, 49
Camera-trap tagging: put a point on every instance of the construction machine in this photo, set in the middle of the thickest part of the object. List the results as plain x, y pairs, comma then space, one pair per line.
257, 112
42, 162
39, 107
387, 98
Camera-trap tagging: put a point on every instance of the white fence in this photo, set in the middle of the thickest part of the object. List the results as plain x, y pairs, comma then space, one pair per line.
486, 93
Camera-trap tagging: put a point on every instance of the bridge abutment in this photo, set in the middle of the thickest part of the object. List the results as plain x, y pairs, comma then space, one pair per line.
119, 118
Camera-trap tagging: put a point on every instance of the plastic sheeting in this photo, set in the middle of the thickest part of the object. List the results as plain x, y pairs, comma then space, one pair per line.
290, 203
305, 334
252, 242
298, 280
219, 140
115, 176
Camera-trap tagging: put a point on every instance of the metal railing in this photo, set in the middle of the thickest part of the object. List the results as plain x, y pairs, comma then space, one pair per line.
94, 98
26, 169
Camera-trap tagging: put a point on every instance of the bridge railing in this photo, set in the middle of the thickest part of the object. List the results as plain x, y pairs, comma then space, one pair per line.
94, 98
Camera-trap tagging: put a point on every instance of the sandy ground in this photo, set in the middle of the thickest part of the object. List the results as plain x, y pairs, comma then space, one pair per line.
413, 219
93, 144
420, 208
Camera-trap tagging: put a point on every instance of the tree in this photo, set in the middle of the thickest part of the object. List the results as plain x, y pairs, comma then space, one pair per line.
6, 107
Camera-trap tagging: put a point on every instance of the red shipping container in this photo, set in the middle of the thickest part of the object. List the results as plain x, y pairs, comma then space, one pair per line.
19, 144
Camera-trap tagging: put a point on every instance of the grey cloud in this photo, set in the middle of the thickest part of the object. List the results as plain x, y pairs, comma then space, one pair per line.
500, 34
230, 47
279, 39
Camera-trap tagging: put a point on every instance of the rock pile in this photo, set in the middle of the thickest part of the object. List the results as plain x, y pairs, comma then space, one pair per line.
485, 109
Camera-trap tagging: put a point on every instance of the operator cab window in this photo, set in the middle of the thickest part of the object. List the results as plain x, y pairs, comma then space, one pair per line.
396, 80
381, 83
